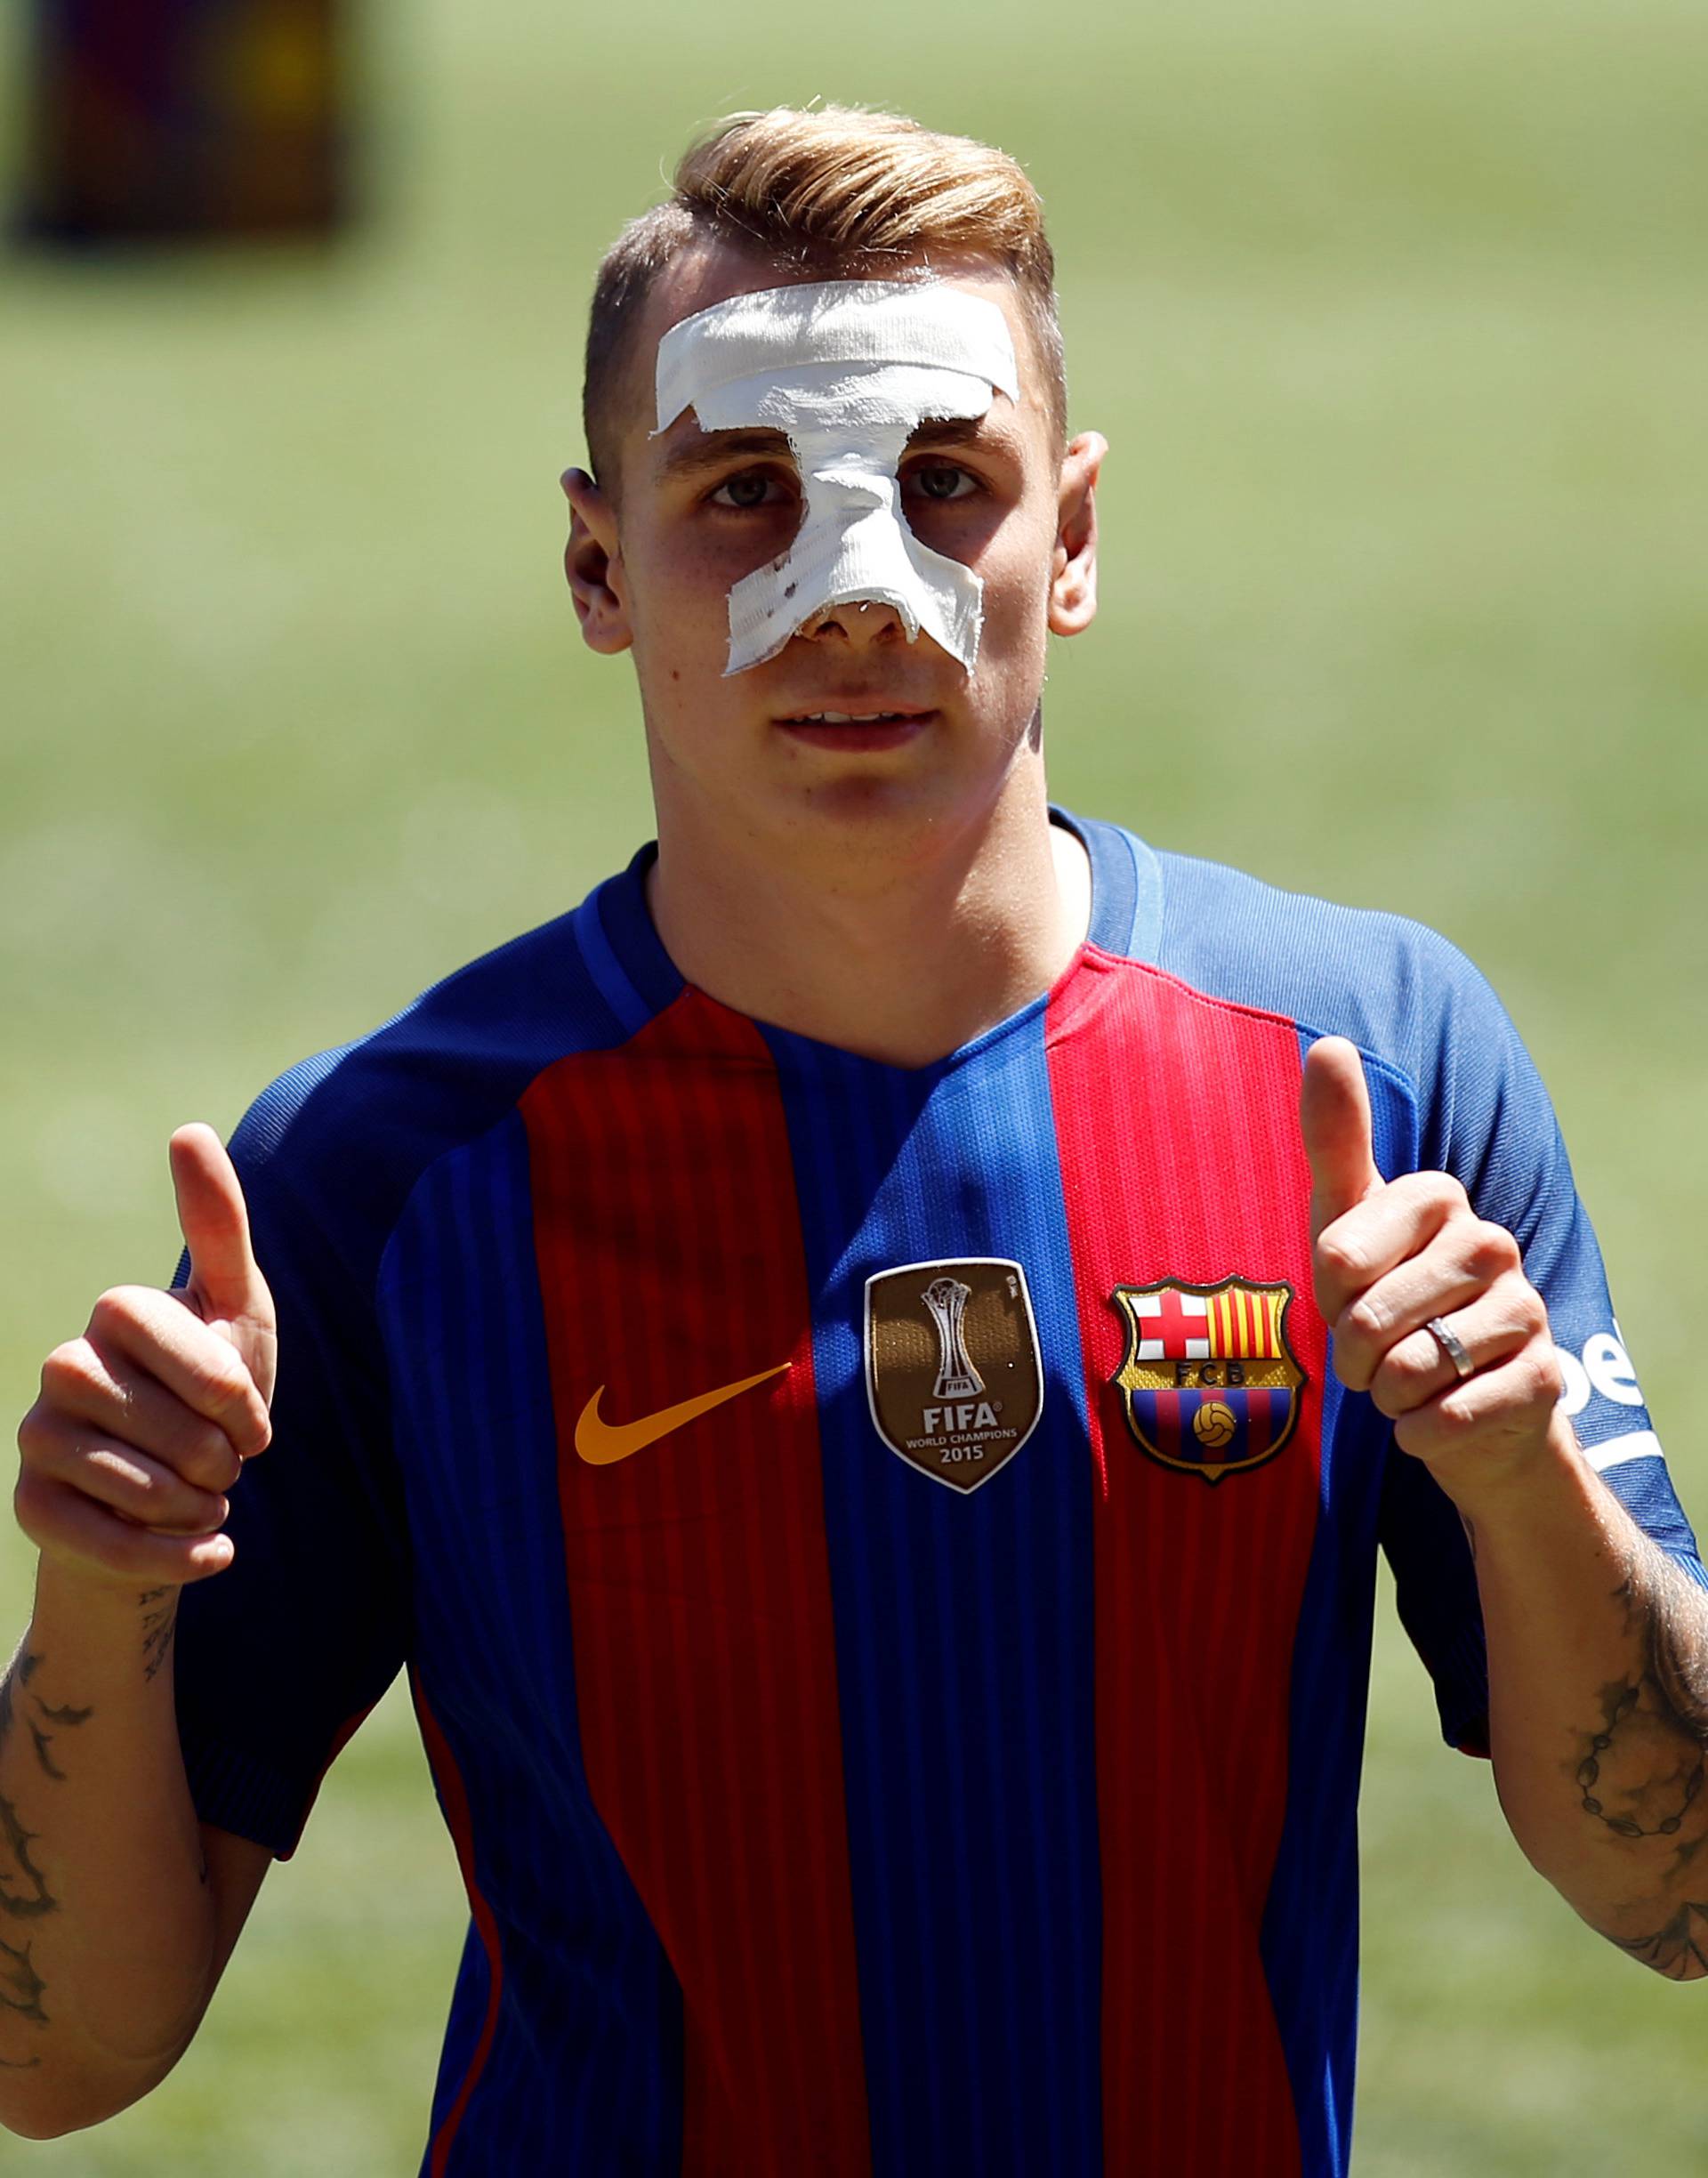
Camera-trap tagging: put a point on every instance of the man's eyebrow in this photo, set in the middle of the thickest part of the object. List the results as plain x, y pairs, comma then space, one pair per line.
712, 449
708, 450
960, 432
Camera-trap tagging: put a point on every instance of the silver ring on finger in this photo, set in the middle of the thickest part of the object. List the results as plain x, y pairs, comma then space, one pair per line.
1451, 1345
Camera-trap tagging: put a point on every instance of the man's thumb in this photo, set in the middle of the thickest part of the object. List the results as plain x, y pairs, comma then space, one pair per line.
1334, 1119
224, 1273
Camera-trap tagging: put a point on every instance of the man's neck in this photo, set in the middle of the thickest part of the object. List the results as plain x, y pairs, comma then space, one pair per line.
899, 964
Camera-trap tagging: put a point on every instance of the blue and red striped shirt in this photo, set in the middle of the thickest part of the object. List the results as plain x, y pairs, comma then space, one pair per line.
937, 1752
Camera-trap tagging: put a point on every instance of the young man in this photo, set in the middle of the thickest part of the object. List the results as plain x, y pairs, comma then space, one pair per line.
863, 1370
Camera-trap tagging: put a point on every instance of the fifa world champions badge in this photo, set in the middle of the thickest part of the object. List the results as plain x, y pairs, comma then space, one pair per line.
1209, 1383
952, 1372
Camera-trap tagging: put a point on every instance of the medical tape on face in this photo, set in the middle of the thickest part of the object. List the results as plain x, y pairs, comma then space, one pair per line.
847, 371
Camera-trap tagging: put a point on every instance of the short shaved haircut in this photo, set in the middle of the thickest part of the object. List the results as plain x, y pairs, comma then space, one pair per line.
826, 192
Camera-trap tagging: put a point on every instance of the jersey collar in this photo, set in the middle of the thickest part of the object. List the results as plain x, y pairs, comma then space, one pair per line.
627, 959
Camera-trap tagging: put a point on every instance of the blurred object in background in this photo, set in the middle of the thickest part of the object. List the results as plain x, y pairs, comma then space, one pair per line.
182, 120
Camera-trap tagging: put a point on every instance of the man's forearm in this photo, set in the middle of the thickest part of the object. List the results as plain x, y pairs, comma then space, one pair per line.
1598, 1660
106, 1922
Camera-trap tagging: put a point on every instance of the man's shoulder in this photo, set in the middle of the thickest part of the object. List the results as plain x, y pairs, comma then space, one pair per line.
344, 1133
1322, 961
1399, 988
488, 1015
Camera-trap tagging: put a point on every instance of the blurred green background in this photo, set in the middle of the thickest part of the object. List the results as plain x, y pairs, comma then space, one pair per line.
1396, 319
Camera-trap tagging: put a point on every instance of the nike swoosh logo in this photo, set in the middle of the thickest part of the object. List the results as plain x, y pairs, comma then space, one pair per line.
603, 1443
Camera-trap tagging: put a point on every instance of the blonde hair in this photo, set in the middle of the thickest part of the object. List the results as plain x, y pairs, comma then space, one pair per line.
832, 190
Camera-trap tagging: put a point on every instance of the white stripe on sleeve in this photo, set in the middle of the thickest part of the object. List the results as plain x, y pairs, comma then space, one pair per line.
1639, 1444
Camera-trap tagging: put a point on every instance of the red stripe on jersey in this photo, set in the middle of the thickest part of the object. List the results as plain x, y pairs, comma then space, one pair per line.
670, 1266
1177, 1120
454, 1796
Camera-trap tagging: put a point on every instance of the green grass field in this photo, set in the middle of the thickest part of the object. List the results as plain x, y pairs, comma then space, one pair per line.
1396, 320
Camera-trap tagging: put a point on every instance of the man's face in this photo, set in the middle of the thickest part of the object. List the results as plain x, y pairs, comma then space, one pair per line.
923, 739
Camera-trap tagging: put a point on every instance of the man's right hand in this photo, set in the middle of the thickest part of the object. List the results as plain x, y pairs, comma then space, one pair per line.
144, 1423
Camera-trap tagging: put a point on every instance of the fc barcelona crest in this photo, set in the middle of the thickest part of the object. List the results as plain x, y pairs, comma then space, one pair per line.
1209, 1383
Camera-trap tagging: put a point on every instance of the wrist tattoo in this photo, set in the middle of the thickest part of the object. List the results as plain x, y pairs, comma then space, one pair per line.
159, 1623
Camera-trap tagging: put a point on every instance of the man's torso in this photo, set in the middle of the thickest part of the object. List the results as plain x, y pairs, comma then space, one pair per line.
942, 1753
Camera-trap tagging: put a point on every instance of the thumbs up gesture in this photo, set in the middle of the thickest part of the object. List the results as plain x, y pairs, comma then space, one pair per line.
144, 1423
1428, 1305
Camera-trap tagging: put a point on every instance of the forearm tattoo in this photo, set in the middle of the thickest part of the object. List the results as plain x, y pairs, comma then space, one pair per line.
1640, 1773
1647, 1760
25, 1895
20, 1986
1678, 1947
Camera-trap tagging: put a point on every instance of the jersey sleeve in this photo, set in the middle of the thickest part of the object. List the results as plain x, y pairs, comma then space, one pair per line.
1484, 1116
281, 1656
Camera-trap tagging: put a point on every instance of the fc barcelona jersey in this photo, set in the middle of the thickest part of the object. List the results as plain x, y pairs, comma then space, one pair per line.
882, 1559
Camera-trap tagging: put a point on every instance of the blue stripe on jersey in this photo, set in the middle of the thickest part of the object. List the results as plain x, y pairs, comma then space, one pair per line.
585, 2071
963, 1628
1310, 1923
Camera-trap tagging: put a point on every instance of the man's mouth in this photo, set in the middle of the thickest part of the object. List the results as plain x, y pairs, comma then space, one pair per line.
859, 729
849, 718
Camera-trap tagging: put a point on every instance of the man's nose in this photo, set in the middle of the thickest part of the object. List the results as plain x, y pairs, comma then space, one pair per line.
861, 621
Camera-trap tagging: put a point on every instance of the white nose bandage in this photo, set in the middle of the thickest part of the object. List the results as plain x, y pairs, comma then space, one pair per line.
847, 371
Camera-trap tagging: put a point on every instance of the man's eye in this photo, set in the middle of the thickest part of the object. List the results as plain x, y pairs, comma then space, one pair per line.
754, 487
942, 480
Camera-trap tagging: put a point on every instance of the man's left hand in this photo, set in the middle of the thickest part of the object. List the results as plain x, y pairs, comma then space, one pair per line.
1388, 1256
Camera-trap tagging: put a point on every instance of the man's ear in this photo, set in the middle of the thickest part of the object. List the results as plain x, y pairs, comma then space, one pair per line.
1073, 577
592, 561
